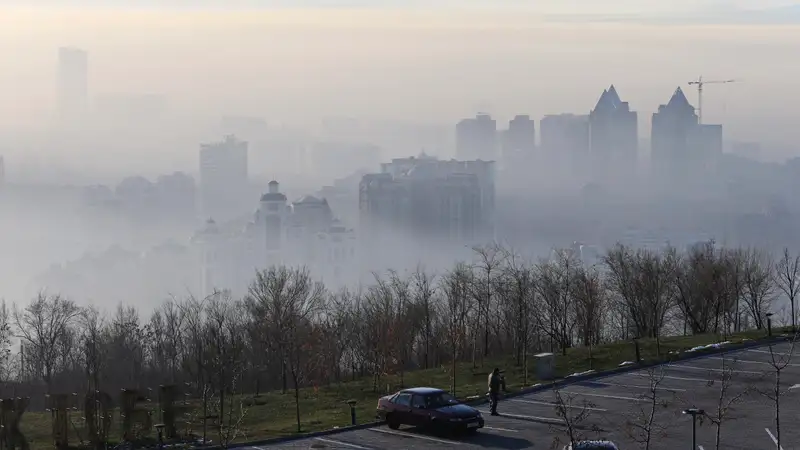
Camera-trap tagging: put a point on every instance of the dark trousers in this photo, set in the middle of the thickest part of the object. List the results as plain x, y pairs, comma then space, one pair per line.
493, 398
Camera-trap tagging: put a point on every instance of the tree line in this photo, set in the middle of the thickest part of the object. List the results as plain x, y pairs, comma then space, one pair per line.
290, 332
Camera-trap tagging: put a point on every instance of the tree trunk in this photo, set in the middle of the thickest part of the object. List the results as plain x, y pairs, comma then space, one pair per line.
453, 371
297, 402
283, 377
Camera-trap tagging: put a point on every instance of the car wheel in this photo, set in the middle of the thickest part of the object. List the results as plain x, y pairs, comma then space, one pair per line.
392, 422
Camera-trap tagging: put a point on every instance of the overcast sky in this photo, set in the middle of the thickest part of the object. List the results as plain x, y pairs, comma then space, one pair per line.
545, 6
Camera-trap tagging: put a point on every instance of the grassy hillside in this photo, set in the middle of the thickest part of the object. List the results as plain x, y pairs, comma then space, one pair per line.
273, 414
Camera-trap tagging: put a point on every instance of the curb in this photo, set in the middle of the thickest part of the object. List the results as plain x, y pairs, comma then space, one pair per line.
283, 439
683, 356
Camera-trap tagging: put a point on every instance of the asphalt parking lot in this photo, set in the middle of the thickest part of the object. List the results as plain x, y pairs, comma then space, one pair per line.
615, 407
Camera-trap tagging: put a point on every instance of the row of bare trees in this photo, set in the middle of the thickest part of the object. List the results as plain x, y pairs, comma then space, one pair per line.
289, 331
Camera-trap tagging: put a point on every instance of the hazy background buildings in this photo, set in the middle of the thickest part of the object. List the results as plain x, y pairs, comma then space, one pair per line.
397, 137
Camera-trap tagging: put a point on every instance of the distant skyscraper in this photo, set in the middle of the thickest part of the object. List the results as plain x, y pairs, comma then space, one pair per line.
679, 145
223, 178
477, 138
614, 137
565, 141
426, 197
520, 138
73, 82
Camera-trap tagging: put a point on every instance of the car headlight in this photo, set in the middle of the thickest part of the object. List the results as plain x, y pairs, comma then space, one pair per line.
479, 415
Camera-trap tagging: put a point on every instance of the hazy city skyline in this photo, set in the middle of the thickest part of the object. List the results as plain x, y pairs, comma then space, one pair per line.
323, 96
290, 67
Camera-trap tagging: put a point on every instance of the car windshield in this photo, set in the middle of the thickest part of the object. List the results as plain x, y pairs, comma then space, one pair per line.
440, 399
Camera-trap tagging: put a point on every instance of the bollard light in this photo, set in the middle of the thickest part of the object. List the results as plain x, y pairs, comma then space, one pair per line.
769, 324
352, 404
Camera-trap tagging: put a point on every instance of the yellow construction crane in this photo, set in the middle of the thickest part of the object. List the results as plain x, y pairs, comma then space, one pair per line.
700, 82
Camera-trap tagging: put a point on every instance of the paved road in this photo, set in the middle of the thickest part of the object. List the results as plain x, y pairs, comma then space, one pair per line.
615, 405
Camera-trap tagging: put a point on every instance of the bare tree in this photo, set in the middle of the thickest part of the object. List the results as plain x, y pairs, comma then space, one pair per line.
556, 310
225, 334
6, 334
41, 326
340, 331
759, 285
701, 289
518, 290
489, 262
456, 309
379, 322
733, 283
127, 343
288, 301
726, 399
778, 362
407, 321
424, 286
641, 424
590, 304
642, 281
93, 342
573, 415
196, 363
787, 279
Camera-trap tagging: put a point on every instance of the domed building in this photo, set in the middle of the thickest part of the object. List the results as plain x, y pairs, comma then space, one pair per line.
302, 233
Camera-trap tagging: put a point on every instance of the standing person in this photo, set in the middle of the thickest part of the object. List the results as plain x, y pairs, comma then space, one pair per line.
496, 381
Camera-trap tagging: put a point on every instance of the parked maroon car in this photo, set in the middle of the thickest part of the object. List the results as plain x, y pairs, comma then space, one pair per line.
428, 407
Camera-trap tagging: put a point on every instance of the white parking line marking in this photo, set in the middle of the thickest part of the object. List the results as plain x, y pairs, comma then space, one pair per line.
501, 429
667, 377
774, 439
346, 444
524, 417
700, 447
617, 397
643, 387
415, 436
534, 402
734, 360
682, 366
781, 354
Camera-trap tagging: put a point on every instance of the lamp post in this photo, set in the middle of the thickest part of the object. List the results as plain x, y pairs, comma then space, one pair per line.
694, 412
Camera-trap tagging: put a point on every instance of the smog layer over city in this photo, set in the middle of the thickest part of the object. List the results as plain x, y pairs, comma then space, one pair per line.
159, 156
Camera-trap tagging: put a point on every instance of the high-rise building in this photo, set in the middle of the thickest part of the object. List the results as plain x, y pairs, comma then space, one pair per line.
565, 141
519, 141
477, 138
614, 137
73, 82
451, 201
223, 178
680, 146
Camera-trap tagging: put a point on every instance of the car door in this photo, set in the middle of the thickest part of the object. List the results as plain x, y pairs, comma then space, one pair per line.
402, 408
419, 413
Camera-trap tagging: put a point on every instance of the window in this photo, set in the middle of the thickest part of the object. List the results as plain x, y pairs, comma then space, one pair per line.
418, 402
402, 400
440, 399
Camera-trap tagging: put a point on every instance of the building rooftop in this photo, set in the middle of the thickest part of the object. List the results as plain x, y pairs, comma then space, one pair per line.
273, 196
